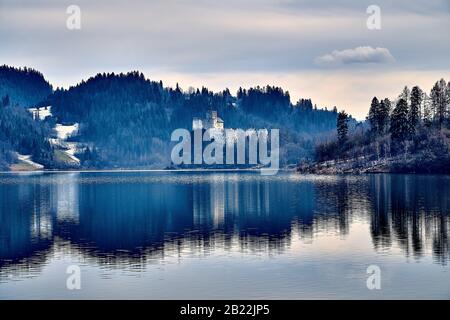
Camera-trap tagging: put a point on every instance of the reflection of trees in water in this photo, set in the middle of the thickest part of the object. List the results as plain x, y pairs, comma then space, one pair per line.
135, 224
333, 203
25, 228
380, 201
413, 211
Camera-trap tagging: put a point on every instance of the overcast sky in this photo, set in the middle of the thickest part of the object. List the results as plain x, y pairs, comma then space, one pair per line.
316, 49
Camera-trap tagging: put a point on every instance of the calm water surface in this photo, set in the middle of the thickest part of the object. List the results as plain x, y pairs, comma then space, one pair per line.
223, 235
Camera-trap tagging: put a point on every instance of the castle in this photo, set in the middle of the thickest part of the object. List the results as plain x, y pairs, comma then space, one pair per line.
212, 121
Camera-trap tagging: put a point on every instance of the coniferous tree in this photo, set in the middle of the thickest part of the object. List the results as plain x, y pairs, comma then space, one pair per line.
374, 116
399, 121
427, 116
384, 115
438, 97
414, 110
342, 127
405, 95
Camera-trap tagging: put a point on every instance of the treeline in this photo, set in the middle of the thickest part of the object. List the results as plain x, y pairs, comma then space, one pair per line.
410, 134
22, 86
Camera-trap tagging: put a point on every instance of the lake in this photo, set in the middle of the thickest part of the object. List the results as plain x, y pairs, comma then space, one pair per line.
185, 235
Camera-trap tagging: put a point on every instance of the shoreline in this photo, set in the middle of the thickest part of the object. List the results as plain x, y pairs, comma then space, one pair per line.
296, 171
139, 170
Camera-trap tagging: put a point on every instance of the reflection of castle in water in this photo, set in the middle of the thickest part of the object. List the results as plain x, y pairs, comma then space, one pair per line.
66, 201
141, 218
208, 205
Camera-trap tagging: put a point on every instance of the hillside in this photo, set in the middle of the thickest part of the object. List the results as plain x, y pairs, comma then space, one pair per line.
129, 118
23, 87
410, 135
19, 133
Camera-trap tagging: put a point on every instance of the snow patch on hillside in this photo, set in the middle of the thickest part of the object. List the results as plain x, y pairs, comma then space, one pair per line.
27, 159
72, 148
63, 132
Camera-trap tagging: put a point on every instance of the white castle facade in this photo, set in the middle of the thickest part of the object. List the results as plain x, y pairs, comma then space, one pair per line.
212, 121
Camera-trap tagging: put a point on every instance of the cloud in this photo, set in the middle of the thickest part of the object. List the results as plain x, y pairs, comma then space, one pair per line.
358, 55
213, 42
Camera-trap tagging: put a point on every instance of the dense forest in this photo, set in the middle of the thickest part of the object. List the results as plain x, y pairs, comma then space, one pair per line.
125, 120
410, 134
22, 86
18, 131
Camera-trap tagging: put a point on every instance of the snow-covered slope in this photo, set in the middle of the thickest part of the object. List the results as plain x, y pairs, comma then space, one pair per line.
27, 160
63, 132
65, 150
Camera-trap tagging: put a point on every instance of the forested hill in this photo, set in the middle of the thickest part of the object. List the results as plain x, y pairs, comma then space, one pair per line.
20, 88
23, 86
125, 120
130, 118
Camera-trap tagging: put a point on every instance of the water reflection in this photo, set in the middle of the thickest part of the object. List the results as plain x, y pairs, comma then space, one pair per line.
135, 218
413, 211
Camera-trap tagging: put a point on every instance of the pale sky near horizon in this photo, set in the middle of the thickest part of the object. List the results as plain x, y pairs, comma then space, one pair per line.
315, 49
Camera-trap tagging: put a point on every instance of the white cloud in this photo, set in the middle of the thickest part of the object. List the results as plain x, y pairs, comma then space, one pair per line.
360, 55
